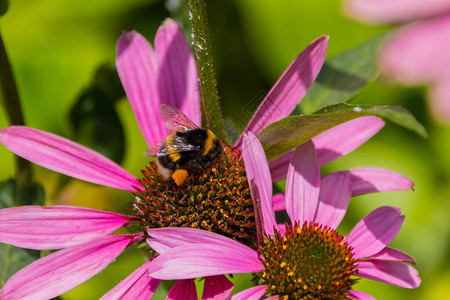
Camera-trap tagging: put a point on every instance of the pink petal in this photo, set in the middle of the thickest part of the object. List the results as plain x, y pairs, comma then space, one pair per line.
303, 184
359, 295
66, 157
418, 54
335, 193
138, 70
200, 260
61, 271
178, 81
158, 246
391, 254
333, 143
281, 228
258, 176
344, 138
373, 180
56, 227
183, 289
290, 88
278, 202
375, 231
138, 285
166, 238
279, 166
392, 272
217, 288
253, 293
439, 103
387, 11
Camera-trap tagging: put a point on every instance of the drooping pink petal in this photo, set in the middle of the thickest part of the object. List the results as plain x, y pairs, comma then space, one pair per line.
253, 293
392, 272
66, 157
278, 202
200, 260
56, 227
183, 289
417, 54
387, 11
217, 288
303, 184
138, 285
438, 99
367, 180
333, 143
170, 237
61, 271
391, 254
178, 80
290, 88
138, 70
258, 176
375, 231
335, 193
344, 138
358, 295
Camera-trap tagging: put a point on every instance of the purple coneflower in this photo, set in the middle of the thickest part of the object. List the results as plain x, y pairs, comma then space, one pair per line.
218, 200
307, 259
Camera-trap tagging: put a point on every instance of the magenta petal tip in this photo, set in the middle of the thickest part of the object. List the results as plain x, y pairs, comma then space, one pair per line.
375, 231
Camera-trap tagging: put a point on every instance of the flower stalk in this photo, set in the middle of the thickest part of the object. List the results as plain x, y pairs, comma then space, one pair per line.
205, 66
9, 97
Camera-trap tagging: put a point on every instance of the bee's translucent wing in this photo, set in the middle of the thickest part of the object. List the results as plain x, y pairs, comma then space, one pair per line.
173, 148
177, 145
153, 149
174, 118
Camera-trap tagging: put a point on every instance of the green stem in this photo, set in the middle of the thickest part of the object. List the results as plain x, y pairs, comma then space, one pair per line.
202, 48
9, 97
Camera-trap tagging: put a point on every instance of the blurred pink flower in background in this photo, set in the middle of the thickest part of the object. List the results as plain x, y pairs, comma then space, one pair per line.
417, 53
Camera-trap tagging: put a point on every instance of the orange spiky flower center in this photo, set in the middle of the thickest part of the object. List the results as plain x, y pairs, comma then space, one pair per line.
308, 262
216, 199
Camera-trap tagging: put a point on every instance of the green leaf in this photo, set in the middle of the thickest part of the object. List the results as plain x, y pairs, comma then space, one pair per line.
288, 133
13, 259
32, 193
107, 80
3, 7
7, 193
343, 76
94, 120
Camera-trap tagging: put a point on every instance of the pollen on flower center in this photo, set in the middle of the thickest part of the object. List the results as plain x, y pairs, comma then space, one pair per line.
216, 199
308, 262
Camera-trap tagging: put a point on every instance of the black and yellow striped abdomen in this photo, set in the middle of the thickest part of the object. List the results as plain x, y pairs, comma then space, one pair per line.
203, 147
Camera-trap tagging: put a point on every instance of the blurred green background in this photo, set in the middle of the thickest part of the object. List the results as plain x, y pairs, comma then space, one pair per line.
56, 47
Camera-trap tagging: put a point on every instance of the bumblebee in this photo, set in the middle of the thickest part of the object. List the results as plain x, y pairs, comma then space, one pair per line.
187, 147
